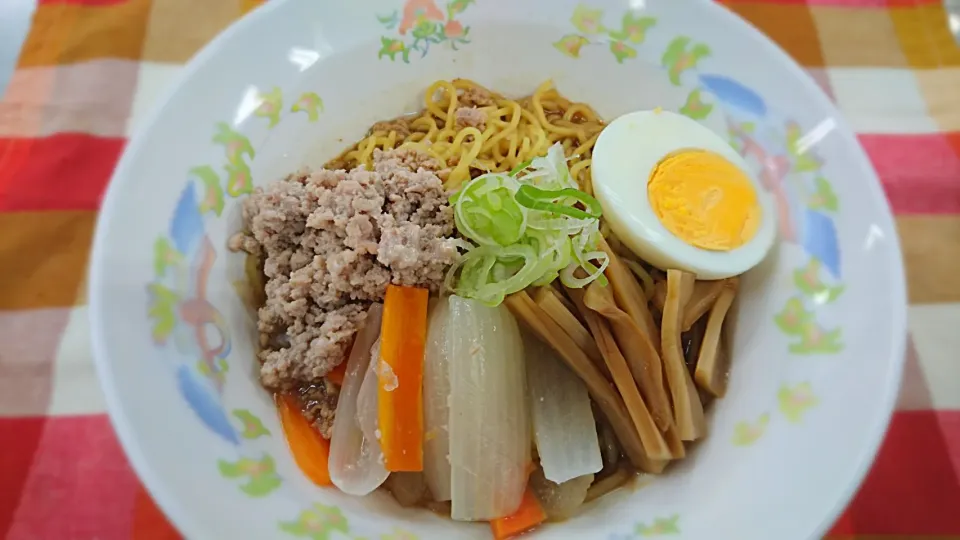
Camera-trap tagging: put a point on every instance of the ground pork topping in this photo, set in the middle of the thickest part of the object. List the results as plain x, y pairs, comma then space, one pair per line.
399, 125
471, 117
476, 97
330, 242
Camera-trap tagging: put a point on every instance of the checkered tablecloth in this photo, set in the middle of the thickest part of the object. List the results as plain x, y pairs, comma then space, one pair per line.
89, 69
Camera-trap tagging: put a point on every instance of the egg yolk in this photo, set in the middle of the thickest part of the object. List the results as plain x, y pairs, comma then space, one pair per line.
705, 200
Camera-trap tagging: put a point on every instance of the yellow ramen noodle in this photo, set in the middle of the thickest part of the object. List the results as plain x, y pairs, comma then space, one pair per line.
514, 132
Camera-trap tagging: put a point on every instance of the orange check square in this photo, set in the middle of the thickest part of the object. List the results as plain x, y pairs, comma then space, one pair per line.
858, 37
67, 33
924, 36
790, 25
45, 255
179, 28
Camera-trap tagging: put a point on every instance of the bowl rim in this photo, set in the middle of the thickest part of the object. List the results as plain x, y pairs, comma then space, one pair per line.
182, 519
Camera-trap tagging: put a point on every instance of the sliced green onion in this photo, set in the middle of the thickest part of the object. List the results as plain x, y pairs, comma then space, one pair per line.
529, 229
535, 198
516, 170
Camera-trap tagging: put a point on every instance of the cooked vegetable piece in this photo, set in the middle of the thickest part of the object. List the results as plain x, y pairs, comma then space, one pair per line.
310, 450
660, 295
368, 412
653, 443
563, 424
630, 296
550, 301
610, 483
400, 373
642, 358
526, 517
692, 340
609, 446
408, 488
528, 228
609, 401
711, 373
436, 404
490, 439
703, 297
687, 409
560, 501
356, 460
648, 286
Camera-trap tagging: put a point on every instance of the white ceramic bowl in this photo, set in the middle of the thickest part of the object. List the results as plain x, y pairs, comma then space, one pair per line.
819, 339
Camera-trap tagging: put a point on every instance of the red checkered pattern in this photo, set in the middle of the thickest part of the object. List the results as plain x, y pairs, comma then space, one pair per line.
88, 70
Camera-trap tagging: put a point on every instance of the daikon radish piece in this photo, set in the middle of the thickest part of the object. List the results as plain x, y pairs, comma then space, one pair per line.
563, 424
560, 501
489, 418
356, 462
436, 408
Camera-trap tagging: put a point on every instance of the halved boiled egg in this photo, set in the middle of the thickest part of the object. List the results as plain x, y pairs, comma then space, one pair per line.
679, 196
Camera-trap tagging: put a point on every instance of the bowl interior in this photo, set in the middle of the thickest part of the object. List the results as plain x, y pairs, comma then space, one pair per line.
819, 326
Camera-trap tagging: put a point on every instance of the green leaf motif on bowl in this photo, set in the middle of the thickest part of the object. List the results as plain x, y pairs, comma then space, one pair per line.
271, 104
632, 28
165, 256
252, 426
793, 317
796, 400
213, 199
588, 22
797, 321
746, 433
682, 55
317, 523
239, 179
260, 474
659, 527
571, 44
310, 103
235, 144
621, 51
695, 108
162, 310
817, 340
809, 281
823, 198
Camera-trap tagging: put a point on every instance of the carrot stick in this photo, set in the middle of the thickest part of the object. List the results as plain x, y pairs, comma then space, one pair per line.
529, 515
310, 450
402, 337
336, 374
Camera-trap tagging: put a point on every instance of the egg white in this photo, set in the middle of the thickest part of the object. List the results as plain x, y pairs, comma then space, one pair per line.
624, 157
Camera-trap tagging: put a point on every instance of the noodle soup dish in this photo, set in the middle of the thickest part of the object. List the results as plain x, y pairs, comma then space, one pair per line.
414, 284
